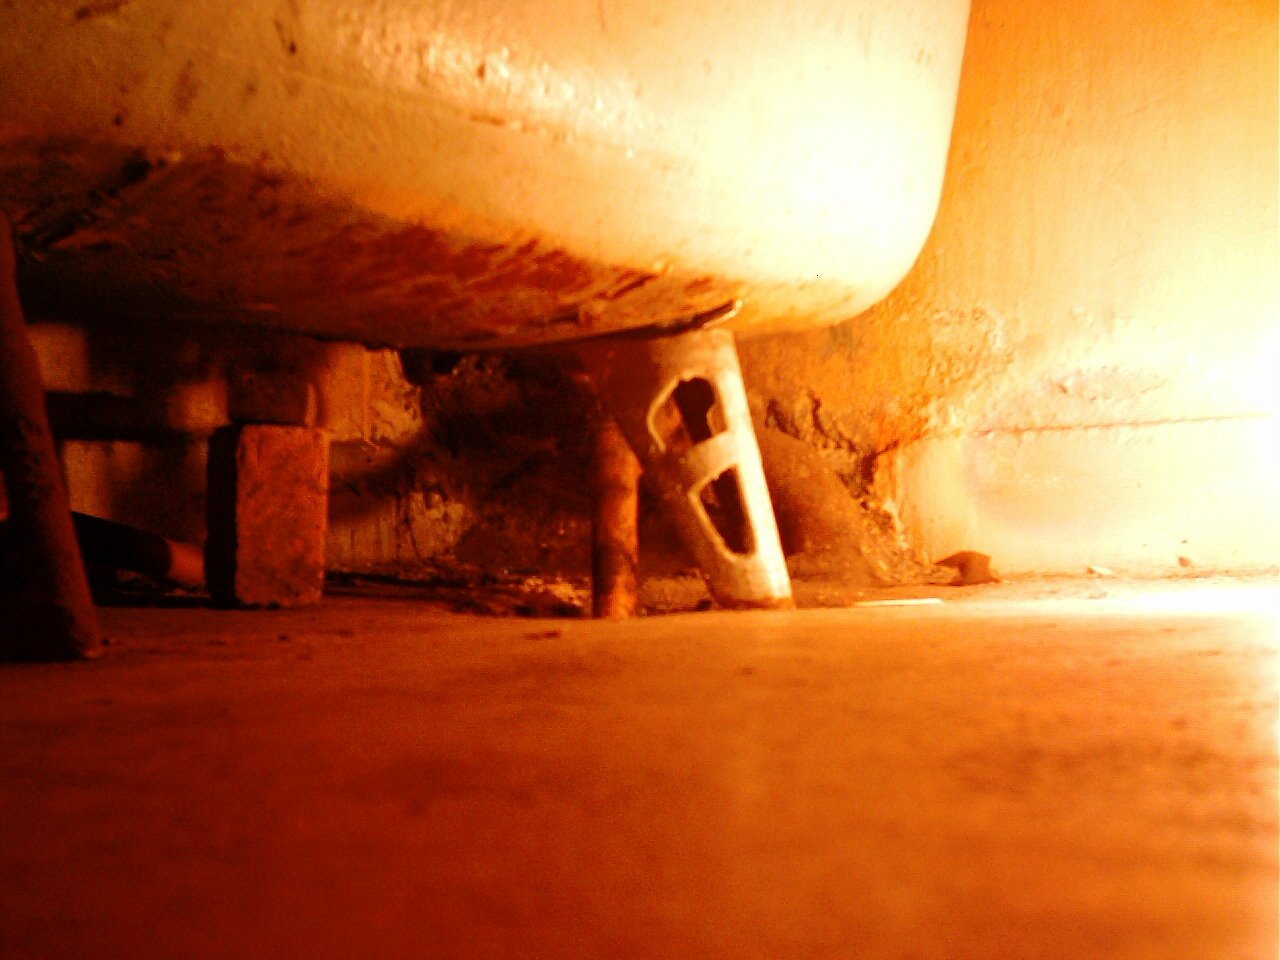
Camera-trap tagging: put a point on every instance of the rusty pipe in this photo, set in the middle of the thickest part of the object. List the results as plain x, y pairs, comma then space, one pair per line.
122, 547
615, 537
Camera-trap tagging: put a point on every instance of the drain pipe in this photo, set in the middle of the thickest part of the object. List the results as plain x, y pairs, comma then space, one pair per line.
122, 547
615, 538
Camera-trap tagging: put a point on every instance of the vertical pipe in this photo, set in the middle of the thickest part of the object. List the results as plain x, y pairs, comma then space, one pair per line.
50, 616
615, 539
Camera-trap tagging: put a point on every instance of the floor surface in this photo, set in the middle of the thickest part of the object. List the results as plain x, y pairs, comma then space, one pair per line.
1016, 772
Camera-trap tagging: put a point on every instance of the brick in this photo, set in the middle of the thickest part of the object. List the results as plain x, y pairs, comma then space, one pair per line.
267, 512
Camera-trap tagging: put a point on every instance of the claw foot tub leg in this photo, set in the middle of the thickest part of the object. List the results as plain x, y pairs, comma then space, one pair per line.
50, 615
681, 404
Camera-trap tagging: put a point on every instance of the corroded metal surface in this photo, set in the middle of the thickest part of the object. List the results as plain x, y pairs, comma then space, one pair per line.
203, 239
615, 529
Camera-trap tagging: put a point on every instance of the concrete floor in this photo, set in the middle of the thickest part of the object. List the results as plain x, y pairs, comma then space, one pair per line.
1022, 771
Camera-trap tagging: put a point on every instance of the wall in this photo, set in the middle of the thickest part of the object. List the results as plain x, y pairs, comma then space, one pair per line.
1081, 368
474, 459
134, 405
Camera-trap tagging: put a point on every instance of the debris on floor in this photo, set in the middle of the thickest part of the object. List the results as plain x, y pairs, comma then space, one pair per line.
464, 588
971, 568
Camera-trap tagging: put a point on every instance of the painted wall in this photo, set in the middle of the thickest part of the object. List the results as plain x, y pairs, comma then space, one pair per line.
1081, 370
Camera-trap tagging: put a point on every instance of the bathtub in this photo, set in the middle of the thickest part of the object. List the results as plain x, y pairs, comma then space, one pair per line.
475, 175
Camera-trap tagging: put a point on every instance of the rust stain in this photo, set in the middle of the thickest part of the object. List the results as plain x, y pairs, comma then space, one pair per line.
286, 24
491, 119
202, 238
100, 8
185, 88
631, 281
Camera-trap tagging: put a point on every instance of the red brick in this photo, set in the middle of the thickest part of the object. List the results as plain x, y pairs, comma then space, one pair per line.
268, 503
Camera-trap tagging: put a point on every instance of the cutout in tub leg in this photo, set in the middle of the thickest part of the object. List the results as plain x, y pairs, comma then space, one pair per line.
721, 500
688, 415
692, 414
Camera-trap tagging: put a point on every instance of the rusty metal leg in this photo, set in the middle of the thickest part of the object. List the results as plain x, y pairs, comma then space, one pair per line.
50, 615
681, 404
615, 538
